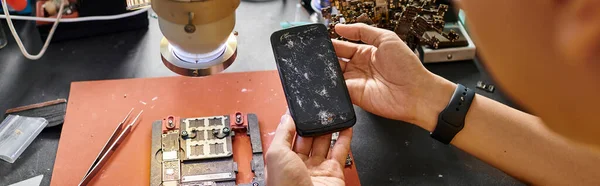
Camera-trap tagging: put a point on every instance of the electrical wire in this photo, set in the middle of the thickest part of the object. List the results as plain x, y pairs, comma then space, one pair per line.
79, 19
53, 29
18, 39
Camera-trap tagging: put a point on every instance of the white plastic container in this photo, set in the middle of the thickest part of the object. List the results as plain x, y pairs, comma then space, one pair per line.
16, 133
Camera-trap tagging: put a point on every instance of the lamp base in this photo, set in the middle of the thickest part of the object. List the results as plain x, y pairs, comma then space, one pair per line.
204, 68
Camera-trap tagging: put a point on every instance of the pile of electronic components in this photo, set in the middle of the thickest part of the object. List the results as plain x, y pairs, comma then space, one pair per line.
417, 22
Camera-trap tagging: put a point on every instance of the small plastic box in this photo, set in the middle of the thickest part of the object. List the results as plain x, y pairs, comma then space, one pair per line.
16, 133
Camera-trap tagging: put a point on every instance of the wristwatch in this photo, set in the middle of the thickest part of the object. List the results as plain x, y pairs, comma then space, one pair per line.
452, 119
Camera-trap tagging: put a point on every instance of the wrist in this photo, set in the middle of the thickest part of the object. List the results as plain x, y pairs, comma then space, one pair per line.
436, 96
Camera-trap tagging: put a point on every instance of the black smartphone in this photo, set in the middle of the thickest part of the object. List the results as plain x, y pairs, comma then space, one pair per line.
312, 80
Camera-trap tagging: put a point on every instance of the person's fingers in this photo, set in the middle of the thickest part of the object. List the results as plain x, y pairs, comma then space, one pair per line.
365, 33
284, 135
344, 49
343, 63
302, 146
356, 89
340, 150
320, 147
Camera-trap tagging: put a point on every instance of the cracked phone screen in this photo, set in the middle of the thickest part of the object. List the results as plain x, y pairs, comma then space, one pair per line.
312, 78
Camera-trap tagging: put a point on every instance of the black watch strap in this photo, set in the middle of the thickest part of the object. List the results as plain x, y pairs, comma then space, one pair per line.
452, 119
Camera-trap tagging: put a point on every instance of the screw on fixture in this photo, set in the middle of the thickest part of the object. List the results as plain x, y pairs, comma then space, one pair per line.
190, 28
226, 130
184, 134
238, 118
170, 123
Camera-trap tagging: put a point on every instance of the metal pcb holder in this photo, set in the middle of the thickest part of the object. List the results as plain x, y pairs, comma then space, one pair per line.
198, 151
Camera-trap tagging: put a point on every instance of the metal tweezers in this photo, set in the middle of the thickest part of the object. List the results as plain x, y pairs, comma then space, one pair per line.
109, 148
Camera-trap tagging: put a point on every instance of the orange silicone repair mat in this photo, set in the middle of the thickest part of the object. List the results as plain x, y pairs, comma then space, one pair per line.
96, 107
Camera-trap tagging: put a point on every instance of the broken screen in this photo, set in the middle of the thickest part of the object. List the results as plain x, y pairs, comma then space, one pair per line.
312, 78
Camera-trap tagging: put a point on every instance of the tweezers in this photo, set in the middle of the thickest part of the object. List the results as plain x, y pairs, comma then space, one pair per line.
109, 148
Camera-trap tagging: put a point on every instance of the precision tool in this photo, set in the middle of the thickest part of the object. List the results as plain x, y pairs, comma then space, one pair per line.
109, 148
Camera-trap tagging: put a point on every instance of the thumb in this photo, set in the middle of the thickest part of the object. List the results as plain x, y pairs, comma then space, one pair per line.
284, 135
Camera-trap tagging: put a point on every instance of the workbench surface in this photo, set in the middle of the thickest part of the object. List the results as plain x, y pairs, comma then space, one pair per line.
386, 152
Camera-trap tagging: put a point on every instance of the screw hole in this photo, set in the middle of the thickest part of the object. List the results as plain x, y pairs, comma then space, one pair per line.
464, 93
465, 89
456, 109
459, 103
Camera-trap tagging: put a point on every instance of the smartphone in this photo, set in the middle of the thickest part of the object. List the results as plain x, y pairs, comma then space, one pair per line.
312, 80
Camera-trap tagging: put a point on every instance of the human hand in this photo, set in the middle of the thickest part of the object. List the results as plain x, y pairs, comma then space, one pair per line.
386, 78
309, 161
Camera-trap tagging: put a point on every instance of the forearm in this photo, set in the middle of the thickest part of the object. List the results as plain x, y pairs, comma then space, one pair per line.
522, 146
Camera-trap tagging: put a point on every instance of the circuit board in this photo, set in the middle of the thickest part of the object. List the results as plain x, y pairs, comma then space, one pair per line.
416, 22
198, 151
